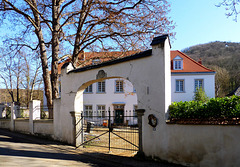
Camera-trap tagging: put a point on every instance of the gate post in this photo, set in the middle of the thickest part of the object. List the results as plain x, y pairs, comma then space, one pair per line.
34, 113
140, 113
77, 128
14, 109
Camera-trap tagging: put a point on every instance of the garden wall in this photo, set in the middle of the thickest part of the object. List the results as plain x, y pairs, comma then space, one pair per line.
5, 123
33, 125
198, 145
44, 127
21, 125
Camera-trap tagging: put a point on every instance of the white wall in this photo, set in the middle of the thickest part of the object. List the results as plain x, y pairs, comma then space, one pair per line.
44, 127
187, 95
200, 145
150, 76
22, 125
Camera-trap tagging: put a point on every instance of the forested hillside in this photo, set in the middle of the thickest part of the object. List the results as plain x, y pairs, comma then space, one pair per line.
224, 58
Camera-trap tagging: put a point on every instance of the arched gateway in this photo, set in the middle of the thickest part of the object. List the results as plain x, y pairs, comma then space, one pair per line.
148, 71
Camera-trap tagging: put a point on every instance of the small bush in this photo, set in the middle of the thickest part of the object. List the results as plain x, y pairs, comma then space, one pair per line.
200, 95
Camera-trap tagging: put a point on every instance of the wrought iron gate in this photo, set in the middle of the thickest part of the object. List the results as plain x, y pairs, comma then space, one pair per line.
111, 130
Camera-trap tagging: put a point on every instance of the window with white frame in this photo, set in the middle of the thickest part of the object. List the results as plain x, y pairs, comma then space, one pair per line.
179, 85
89, 89
177, 63
101, 86
101, 110
88, 112
119, 86
198, 83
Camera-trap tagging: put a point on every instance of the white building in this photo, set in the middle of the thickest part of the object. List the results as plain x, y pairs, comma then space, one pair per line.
119, 96
187, 75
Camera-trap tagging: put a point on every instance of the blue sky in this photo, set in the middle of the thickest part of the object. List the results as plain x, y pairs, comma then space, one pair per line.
197, 22
200, 21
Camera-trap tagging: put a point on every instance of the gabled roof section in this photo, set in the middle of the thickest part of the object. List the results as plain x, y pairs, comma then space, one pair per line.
115, 61
189, 65
87, 58
177, 58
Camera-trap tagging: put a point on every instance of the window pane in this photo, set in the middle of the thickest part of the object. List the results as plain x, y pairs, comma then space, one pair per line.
119, 86
101, 86
179, 85
101, 111
88, 111
198, 84
177, 64
89, 89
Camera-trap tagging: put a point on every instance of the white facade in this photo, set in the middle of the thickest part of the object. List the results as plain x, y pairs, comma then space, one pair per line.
109, 99
187, 94
128, 98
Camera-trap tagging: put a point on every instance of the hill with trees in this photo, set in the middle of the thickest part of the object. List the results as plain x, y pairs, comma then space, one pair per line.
224, 58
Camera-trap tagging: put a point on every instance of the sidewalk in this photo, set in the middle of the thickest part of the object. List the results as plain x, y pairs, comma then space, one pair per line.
101, 158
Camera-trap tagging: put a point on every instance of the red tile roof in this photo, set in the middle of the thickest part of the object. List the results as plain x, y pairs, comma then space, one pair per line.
189, 65
86, 59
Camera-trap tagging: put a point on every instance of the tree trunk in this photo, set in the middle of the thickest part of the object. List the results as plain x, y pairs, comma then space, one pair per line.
55, 50
46, 75
78, 34
44, 61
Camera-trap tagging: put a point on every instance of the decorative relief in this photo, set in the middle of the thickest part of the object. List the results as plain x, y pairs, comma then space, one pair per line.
152, 120
101, 74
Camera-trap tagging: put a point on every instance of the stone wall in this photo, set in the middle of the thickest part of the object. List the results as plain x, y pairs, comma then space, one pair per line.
5, 123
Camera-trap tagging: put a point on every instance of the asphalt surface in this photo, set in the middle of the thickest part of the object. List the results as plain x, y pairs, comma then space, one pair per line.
22, 150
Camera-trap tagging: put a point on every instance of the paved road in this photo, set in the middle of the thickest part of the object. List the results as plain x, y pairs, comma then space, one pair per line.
27, 151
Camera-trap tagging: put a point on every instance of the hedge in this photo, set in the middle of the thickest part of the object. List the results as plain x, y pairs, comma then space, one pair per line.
226, 107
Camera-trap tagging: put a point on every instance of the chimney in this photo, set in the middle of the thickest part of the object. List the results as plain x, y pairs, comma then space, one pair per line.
200, 61
81, 56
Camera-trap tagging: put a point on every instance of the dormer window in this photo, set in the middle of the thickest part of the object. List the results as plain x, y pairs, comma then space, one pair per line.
96, 61
177, 63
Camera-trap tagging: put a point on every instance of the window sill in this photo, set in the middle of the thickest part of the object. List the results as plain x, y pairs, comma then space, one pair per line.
100, 92
87, 92
180, 92
118, 92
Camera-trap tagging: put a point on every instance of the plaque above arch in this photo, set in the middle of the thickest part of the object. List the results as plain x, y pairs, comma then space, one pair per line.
101, 74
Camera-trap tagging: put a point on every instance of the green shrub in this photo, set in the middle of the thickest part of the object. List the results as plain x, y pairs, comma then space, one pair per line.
226, 107
200, 95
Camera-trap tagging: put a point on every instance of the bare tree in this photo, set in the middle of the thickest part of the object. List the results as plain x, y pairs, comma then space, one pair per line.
222, 80
84, 25
18, 72
11, 69
31, 80
232, 7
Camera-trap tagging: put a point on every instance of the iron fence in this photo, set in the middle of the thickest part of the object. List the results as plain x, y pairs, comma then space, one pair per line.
110, 130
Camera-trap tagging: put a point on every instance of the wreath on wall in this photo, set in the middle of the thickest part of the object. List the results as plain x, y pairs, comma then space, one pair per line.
152, 120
